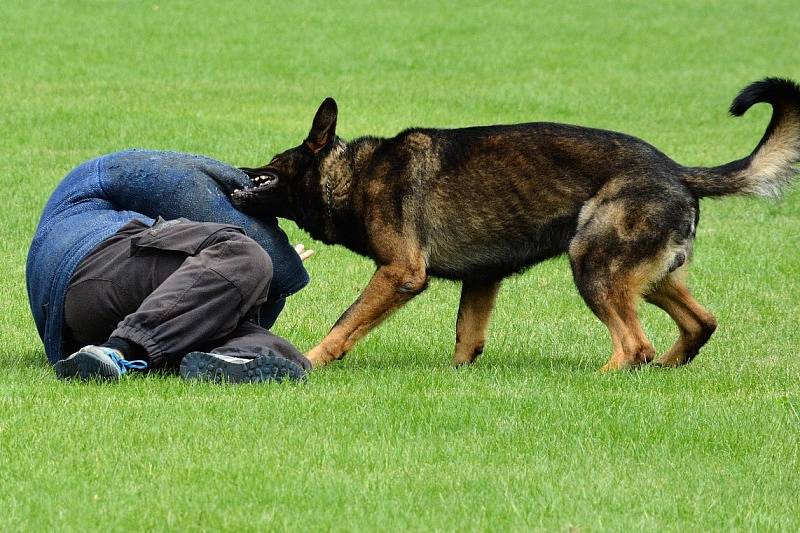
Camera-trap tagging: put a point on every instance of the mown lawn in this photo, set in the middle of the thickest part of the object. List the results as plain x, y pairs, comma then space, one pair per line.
392, 437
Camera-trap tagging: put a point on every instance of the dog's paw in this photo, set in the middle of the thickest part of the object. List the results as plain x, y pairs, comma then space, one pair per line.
319, 356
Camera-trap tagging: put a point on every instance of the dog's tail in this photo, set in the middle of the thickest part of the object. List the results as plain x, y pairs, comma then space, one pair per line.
772, 165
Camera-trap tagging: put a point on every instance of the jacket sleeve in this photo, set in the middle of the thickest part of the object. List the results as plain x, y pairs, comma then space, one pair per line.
174, 185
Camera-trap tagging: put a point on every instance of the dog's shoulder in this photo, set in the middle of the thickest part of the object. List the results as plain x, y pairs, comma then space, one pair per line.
414, 139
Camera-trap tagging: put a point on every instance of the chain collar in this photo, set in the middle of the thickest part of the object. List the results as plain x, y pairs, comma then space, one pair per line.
329, 208
329, 201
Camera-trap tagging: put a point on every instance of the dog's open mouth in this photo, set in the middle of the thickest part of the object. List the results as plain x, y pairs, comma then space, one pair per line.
258, 186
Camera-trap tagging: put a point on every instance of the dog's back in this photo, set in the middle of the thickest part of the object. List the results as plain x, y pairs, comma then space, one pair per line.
486, 202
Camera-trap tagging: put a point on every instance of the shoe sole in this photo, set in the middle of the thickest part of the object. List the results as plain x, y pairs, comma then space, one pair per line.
86, 366
207, 367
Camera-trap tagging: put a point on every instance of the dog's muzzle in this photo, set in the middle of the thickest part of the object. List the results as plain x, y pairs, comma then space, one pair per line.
260, 185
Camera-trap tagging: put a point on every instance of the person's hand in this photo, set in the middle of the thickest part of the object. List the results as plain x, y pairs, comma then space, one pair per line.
302, 252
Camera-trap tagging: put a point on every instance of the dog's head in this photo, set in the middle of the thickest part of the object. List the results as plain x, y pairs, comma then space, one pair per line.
282, 186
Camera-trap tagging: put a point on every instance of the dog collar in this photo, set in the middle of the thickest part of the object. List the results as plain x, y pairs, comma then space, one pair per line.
329, 206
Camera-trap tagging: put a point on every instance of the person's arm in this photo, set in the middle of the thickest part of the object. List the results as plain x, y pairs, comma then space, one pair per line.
174, 185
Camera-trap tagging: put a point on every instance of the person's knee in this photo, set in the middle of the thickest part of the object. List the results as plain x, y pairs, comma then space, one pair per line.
249, 259
255, 258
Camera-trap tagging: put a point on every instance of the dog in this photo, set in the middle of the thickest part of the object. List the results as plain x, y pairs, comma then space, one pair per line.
482, 203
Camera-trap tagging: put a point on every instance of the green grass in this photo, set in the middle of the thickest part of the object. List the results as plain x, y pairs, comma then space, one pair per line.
392, 437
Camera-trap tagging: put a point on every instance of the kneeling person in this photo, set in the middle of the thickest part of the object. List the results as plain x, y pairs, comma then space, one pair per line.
118, 288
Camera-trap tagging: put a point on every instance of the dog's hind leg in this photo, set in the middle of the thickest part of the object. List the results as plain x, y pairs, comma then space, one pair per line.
616, 307
616, 255
631, 235
477, 303
696, 324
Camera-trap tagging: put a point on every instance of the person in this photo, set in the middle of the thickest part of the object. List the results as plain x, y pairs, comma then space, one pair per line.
140, 261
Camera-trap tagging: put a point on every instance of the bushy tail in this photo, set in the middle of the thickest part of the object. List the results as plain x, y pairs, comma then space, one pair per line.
772, 165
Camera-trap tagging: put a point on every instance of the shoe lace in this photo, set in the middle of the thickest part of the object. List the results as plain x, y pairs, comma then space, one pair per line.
124, 365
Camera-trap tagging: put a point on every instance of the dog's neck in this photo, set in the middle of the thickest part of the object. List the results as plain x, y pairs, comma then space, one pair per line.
338, 171
336, 175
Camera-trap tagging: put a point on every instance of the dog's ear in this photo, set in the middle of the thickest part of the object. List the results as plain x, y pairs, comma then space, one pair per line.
323, 129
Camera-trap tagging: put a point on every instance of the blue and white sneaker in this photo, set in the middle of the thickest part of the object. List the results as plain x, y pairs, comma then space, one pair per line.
96, 362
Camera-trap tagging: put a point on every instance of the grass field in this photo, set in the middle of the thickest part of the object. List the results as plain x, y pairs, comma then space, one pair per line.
392, 437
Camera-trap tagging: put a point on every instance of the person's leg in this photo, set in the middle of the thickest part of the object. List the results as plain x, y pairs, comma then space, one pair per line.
108, 284
166, 289
205, 299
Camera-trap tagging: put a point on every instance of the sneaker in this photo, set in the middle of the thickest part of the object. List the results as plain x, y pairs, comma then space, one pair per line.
96, 362
217, 367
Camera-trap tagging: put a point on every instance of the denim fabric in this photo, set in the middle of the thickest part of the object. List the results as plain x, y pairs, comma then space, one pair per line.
96, 199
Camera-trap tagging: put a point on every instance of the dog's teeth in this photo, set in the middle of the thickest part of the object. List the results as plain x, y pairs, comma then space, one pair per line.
235, 190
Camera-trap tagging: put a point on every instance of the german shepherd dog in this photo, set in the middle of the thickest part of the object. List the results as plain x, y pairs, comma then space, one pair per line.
482, 203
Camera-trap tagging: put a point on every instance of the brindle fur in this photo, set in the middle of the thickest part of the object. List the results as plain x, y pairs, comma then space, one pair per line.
479, 204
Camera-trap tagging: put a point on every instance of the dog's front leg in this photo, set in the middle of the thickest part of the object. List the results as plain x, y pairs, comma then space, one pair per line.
390, 287
477, 303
